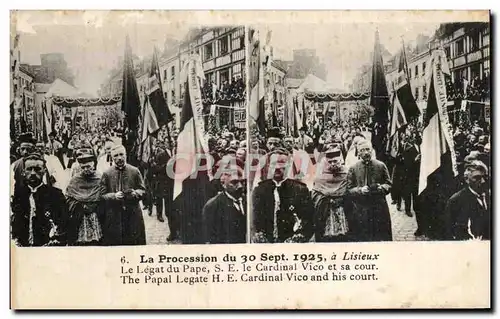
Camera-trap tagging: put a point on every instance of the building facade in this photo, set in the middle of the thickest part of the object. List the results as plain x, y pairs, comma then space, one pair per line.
222, 52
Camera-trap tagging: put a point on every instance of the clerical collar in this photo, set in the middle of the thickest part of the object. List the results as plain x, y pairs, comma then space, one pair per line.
278, 184
120, 168
35, 189
231, 197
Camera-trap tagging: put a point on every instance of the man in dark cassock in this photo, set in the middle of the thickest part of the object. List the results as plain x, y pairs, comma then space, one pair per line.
282, 207
330, 186
122, 188
368, 183
163, 188
26, 147
468, 211
224, 216
39, 211
84, 204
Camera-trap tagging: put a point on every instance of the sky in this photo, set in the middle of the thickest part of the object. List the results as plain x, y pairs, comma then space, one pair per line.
93, 41
343, 47
92, 44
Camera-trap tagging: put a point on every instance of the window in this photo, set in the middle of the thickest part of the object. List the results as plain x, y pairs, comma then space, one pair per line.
474, 41
423, 69
165, 96
209, 51
172, 72
210, 77
460, 47
242, 41
409, 73
224, 45
172, 94
224, 76
165, 75
416, 94
447, 51
424, 92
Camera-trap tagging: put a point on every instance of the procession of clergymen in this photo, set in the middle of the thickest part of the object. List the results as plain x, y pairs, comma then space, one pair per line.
259, 134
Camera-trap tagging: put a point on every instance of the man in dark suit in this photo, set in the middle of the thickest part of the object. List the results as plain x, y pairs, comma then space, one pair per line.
163, 188
411, 165
224, 216
39, 211
282, 207
468, 211
368, 183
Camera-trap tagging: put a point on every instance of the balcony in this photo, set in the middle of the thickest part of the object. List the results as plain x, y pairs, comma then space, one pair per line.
208, 65
474, 56
223, 60
238, 55
459, 61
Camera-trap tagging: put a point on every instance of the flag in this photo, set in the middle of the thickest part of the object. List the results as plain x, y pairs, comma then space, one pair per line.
155, 94
398, 122
190, 191
47, 128
274, 109
403, 89
256, 83
297, 120
379, 100
304, 114
438, 163
22, 118
130, 101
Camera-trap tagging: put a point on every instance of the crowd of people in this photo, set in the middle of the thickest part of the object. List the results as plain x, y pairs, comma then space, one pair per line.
78, 189
324, 185
341, 195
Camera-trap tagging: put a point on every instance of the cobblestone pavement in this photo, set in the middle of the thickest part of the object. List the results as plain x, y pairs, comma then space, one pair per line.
403, 227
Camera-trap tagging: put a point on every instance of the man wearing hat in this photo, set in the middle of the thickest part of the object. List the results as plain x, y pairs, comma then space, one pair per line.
123, 187
282, 207
39, 211
26, 147
84, 204
224, 216
368, 183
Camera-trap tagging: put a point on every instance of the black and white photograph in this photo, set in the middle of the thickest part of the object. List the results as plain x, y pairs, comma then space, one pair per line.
370, 132
109, 118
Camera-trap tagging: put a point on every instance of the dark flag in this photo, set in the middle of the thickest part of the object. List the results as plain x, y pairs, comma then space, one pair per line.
304, 114
130, 102
22, 118
12, 122
403, 89
274, 109
438, 163
155, 94
379, 100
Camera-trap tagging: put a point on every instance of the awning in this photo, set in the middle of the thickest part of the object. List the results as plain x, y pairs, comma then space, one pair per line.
85, 101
